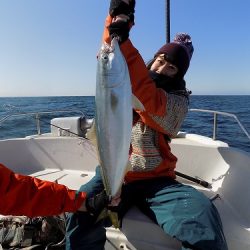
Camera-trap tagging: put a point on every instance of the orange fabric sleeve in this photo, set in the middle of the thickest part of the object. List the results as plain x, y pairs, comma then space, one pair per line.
143, 87
26, 195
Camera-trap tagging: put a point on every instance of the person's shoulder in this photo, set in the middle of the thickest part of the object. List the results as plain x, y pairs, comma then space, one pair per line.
177, 102
178, 95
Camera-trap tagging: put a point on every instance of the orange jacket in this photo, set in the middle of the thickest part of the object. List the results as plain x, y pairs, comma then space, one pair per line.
153, 99
26, 195
155, 103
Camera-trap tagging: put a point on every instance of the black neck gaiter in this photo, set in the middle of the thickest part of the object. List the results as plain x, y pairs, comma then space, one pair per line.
167, 83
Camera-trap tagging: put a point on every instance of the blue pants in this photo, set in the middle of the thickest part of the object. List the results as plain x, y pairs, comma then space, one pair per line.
180, 210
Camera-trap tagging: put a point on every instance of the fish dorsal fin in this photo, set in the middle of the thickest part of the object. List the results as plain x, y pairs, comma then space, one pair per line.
129, 167
91, 134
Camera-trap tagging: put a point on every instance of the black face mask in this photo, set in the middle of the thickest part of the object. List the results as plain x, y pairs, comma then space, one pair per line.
167, 83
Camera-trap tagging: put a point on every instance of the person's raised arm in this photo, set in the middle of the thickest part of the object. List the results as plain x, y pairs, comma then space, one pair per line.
143, 87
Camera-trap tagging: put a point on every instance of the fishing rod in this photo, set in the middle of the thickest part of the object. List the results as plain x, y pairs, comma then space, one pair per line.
187, 177
167, 15
194, 179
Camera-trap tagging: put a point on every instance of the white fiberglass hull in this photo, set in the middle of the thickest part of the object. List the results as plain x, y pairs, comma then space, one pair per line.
71, 161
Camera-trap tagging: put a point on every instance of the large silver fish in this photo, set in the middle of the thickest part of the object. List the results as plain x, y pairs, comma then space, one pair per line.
113, 115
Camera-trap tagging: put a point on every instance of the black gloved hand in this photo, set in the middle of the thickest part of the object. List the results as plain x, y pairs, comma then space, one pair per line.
97, 203
119, 29
118, 7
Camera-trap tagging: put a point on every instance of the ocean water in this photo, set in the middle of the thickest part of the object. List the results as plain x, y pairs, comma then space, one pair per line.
17, 125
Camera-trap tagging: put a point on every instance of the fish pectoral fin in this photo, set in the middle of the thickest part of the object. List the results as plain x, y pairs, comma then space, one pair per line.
128, 167
91, 134
137, 105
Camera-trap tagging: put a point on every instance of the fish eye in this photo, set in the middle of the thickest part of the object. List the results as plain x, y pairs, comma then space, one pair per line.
105, 57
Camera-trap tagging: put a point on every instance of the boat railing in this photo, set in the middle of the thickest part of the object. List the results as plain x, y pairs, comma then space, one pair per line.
215, 120
37, 116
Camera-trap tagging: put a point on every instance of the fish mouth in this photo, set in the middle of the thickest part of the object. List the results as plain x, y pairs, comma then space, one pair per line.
107, 48
114, 75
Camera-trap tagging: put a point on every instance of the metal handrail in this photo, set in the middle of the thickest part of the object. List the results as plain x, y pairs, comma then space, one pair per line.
38, 115
216, 113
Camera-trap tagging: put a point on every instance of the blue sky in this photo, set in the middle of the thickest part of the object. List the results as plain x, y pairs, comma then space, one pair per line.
49, 47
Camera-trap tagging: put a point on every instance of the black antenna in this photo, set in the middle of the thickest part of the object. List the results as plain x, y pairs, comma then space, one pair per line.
167, 21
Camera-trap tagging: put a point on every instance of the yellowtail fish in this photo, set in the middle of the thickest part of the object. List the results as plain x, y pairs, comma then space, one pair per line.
113, 118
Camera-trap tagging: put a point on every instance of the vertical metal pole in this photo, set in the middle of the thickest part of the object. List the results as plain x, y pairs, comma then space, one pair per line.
167, 21
215, 126
38, 124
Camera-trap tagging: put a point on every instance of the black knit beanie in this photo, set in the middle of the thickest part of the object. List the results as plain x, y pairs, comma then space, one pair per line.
179, 52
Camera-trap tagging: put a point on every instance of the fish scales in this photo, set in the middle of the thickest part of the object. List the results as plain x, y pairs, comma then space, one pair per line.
113, 115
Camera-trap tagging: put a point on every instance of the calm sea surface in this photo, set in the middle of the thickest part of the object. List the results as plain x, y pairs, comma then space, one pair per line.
227, 129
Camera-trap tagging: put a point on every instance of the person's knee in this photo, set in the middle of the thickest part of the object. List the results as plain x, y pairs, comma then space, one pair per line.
203, 226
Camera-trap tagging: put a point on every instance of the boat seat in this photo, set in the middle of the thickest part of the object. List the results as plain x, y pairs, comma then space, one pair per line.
142, 231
